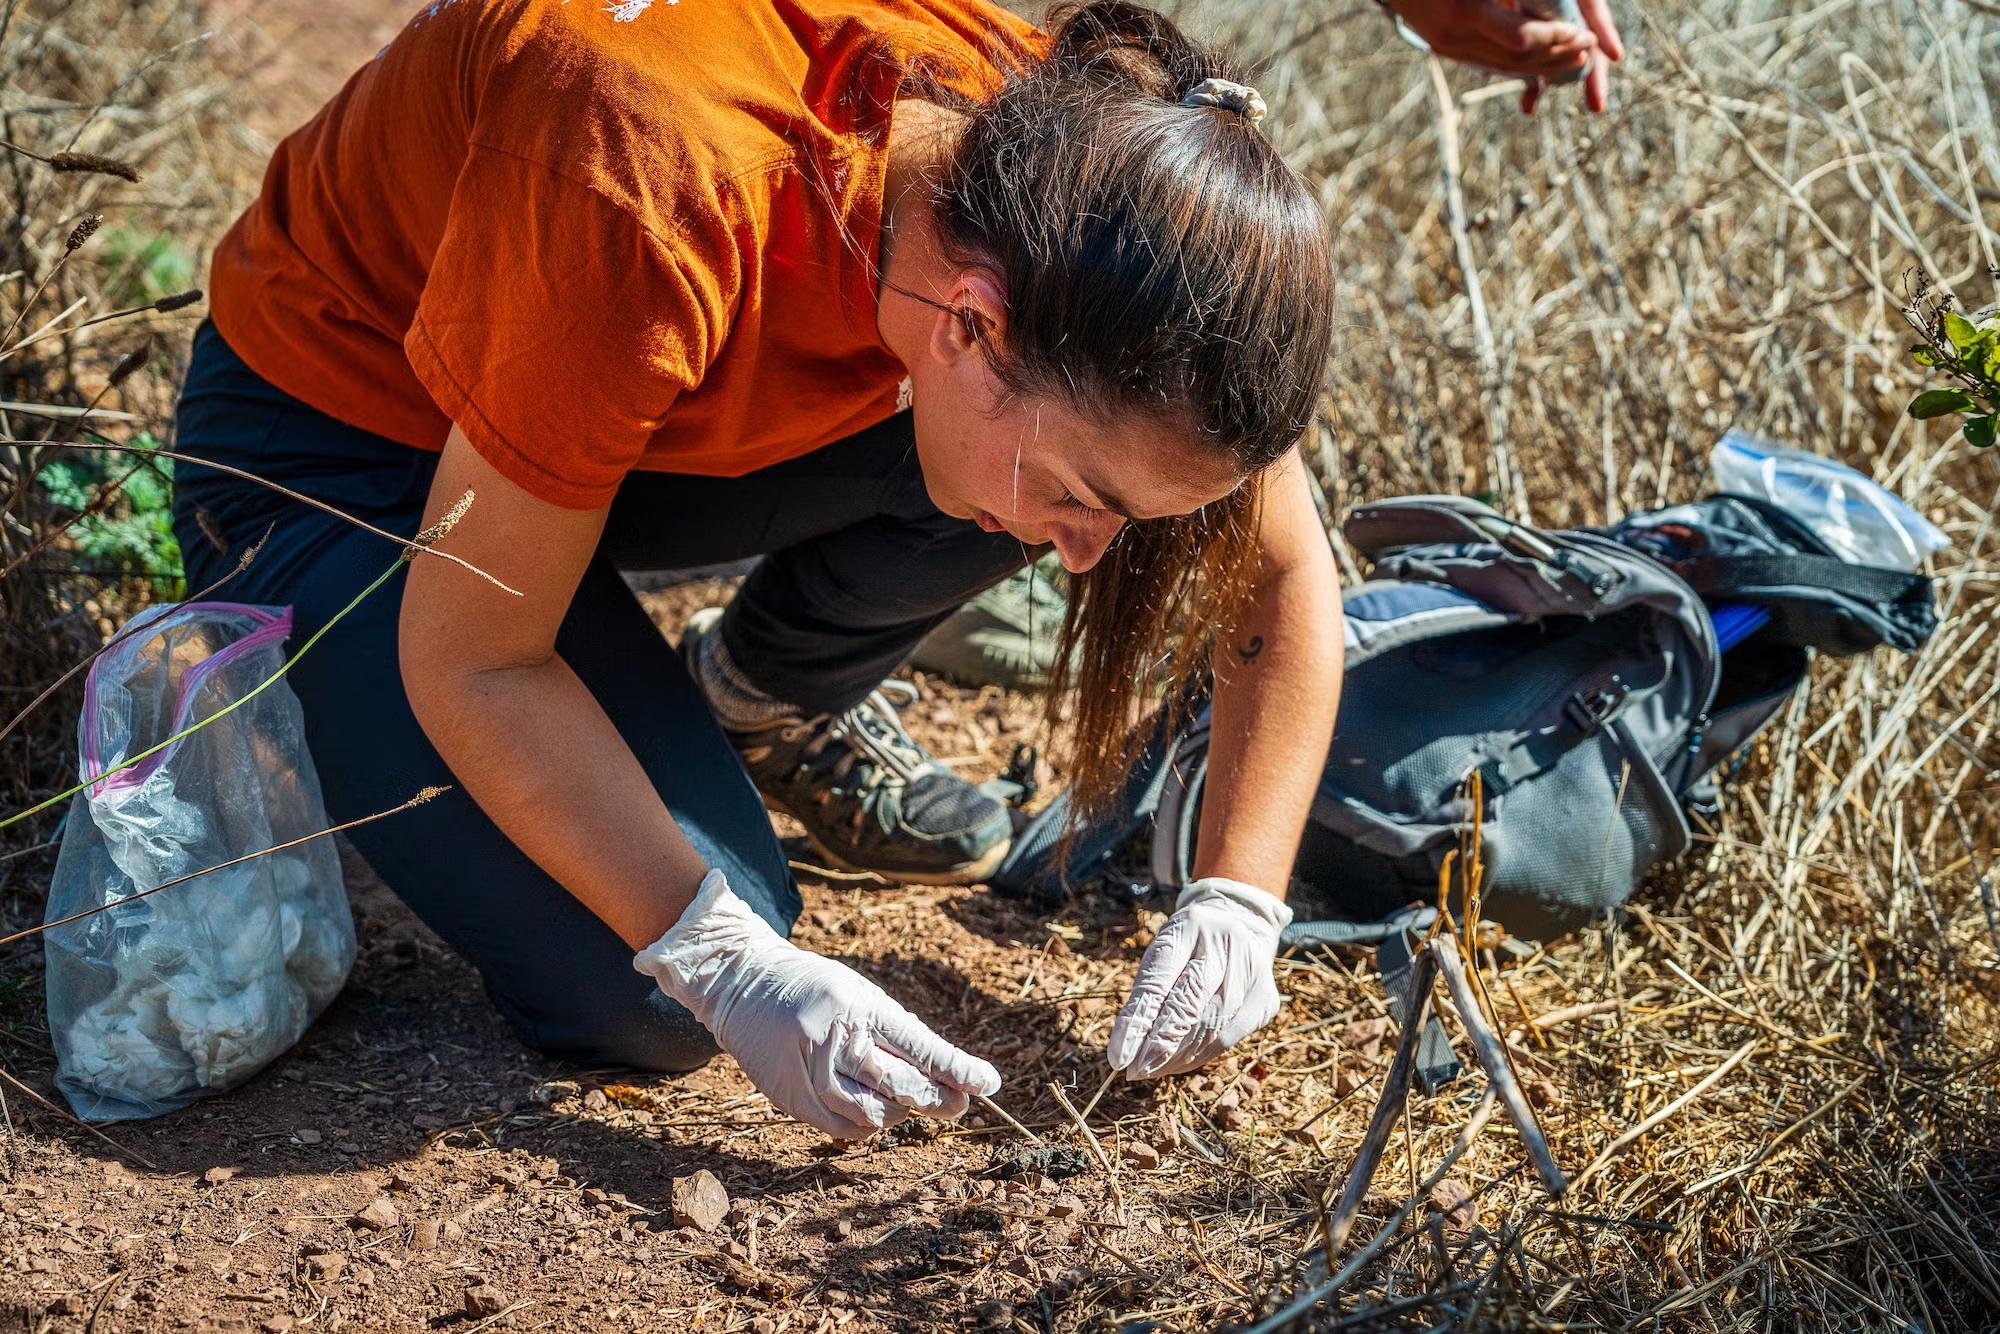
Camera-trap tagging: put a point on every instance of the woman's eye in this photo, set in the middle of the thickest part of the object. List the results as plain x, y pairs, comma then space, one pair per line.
1069, 501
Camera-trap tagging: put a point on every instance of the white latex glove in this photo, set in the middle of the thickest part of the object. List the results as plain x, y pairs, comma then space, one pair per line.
1205, 983
821, 1041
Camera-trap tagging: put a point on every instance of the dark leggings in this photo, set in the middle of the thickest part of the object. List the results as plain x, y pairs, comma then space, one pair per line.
860, 566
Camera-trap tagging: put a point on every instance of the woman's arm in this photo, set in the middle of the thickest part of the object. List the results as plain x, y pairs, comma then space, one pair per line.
539, 755
1277, 687
1206, 982
519, 730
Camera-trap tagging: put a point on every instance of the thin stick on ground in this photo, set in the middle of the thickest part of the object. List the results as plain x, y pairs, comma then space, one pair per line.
134, 1155
1089, 1137
1096, 1097
1619, 1145
1001, 1112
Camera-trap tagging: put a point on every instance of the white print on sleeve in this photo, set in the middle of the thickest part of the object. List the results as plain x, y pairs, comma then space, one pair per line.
624, 11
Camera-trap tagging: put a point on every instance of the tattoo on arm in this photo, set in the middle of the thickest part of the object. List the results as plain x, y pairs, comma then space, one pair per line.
1248, 652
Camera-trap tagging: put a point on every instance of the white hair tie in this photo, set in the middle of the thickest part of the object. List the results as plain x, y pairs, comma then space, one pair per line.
1238, 97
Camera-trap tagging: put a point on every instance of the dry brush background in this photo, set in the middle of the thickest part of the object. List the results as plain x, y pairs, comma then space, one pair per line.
1561, 314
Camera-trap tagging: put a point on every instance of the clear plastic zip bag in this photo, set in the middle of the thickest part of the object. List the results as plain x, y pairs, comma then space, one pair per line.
1864, 523
158, 1001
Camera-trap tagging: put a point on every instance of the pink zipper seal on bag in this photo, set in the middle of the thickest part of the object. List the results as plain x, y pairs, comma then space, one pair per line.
272, 627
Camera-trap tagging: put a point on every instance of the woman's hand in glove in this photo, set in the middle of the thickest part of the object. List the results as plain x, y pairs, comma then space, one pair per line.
821, 1041
1205, 983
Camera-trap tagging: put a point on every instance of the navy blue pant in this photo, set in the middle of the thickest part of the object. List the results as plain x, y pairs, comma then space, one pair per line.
860, 566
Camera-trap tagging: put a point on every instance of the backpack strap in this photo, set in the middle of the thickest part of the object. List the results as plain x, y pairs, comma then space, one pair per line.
1743, 550
1744, 577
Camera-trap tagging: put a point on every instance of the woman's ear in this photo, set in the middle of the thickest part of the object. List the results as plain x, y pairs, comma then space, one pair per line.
974, 315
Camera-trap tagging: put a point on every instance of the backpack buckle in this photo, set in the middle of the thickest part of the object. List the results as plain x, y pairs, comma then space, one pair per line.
1588, 713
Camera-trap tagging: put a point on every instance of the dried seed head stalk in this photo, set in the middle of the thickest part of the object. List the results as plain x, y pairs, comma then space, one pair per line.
84, 231
94, 162
131, 362
435, 533
178, 301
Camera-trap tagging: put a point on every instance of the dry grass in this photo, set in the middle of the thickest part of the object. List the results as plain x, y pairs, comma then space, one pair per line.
1725, 248
129, 89
1802, 1020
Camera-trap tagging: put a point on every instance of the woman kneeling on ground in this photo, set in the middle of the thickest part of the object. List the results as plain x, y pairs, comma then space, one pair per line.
898, 293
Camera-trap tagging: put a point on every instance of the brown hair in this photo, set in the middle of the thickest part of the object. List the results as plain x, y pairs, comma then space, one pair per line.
1160, 260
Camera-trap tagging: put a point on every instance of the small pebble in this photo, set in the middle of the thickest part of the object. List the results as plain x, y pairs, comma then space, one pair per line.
699, 1201
484, 1300
378, 1215
1453, 1199
1142, 1156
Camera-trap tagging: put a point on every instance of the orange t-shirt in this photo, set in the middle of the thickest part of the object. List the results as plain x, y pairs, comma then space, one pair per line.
598, 234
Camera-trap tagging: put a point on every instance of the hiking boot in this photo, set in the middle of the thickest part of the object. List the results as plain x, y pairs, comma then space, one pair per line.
870, 798
1004, 637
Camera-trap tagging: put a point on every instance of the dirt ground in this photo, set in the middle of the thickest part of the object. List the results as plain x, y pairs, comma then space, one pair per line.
550, 1189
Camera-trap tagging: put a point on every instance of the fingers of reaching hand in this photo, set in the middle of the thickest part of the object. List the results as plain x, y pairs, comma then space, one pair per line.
1597, 85
842, 1107
946, 1068
1177, 1008
1159, 968
877, 1070
1504, 39
1597, 17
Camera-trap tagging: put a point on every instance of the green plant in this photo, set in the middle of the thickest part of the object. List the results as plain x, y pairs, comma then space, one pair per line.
1966, 349
140, 267
134, 533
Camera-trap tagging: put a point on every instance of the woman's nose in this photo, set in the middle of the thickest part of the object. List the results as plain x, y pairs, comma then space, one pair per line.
1082, 545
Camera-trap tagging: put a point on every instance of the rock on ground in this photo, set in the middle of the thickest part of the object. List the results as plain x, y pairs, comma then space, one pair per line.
699, 1201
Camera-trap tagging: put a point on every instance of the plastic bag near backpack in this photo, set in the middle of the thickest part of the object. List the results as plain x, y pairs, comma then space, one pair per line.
157, 1001
1580, 676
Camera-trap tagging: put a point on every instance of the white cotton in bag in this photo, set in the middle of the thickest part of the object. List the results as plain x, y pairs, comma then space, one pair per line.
155, 1002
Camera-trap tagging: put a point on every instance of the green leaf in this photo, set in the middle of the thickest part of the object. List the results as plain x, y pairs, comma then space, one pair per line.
1937, 402
1925, 355
1962, 332
1980, 431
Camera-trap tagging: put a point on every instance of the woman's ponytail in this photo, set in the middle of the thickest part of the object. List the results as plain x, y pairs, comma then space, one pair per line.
1160, 263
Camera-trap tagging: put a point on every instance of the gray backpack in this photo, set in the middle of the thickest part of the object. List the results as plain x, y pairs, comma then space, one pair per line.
1582, 679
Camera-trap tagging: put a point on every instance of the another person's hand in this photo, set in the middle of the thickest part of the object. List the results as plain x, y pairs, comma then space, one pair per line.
1496, 35
822, 1042
1205, 982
